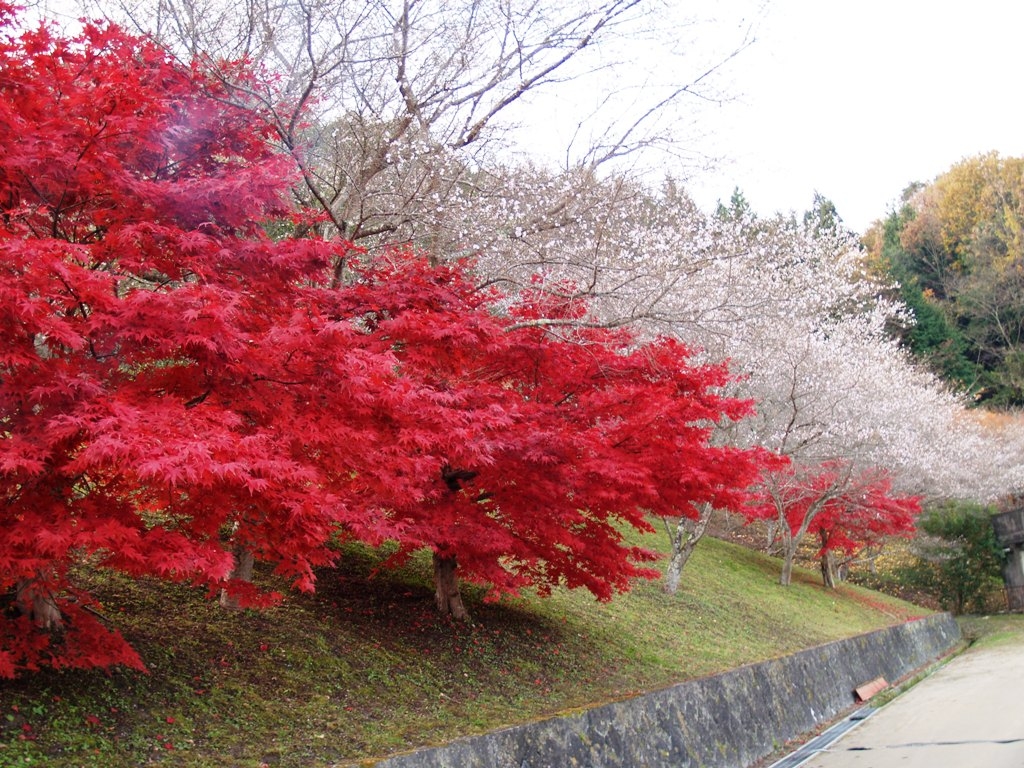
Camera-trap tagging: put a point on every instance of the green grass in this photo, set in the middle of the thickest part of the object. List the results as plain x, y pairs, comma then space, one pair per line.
365, 667
991, 631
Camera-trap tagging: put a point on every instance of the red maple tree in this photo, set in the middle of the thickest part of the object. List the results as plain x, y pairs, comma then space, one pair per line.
178, 388
865, 515
541, 439
847, 507
140, 409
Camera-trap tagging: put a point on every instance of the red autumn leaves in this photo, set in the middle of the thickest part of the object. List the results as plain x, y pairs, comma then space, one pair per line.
177, 387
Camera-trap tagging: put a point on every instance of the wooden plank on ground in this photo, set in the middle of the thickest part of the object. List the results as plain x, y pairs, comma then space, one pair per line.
867, 690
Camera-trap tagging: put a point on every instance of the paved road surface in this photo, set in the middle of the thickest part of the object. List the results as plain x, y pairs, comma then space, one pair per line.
968, 714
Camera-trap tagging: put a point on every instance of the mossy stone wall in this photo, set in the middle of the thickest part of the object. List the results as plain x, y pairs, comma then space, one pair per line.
729, 720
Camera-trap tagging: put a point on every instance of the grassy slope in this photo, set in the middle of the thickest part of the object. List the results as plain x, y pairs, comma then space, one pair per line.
367, 668
991, 631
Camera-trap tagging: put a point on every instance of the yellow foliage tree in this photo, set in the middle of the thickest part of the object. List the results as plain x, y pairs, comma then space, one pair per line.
979, 203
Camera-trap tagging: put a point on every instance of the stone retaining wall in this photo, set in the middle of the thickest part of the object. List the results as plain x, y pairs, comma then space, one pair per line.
726, 721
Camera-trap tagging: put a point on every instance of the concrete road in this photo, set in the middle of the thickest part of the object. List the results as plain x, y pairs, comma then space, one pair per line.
968, 714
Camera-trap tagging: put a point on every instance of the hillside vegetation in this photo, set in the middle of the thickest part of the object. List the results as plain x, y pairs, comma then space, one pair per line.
365, 667
955, 247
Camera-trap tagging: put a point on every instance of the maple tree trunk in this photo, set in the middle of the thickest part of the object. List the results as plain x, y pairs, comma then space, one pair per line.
828, 565
446, 586
828, 570
772, 541
788, 545
244, 561
684, 540
787, 566
38, 604
674, 572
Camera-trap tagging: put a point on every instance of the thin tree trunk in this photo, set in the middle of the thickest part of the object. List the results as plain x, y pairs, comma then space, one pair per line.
791, 543
828, 564
828, 570
788, 556
38, 604
788, 545
674, 572
446, 588
242, 571
684, 540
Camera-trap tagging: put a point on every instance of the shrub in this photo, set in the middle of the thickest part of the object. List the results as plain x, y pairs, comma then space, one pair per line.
957, 558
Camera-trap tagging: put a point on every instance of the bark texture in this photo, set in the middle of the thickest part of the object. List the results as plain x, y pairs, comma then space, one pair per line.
446, 585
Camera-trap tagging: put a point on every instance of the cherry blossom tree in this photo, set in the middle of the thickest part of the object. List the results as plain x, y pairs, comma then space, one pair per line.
806, 329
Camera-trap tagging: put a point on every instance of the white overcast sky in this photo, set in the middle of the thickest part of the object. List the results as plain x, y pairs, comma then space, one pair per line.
858, 98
